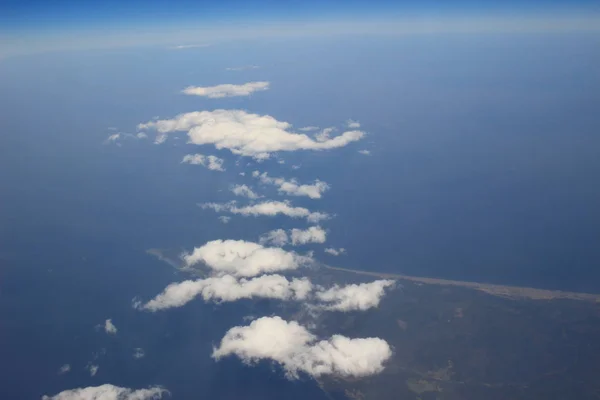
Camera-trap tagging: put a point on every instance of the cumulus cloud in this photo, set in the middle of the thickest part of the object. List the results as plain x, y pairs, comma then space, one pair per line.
211, 162
244, 191
109, 392
324, 135
226, 90
245, 134
267, 208
242, 68
354, 297
242, 258
228, 288
224, 219
109, 327
314, 234
297, 350
352, 124
291, 187
365, 152
64, 369
279, 237
335, 252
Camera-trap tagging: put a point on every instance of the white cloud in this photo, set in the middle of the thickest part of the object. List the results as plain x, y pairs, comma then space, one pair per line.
224, 219
297, 350
64, 369
354, 297
245, 134
242, 68
314, 234
112, 138
295, 166
352, 124
365, 152
160, 138
244, 191
292, 187
268, 208
309, 128
335, 252
93, 369
109, 392
109, 327
241, 258
211, 162
189, 46
141, 135
138, 353
228, 288
277, 237
226, 90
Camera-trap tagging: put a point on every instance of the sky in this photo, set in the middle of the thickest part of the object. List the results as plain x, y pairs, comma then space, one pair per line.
37, 26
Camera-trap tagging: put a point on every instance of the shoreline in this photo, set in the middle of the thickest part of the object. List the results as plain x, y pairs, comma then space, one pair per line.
512, 292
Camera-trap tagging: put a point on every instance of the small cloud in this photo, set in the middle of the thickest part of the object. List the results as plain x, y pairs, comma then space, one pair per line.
224, 219
141, 135
267, 208
138, 353
279, 237
226, 90
242, 68
292, 187
352, 124
93, 369
109, 327
189, 46
112, 138
354, 297
160, 138
335, 252
365, 152
109, 392
64, 369
324, 135
244, 191
211, 162
296, 166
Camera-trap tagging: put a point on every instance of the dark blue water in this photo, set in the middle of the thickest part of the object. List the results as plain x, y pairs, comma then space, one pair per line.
484, 167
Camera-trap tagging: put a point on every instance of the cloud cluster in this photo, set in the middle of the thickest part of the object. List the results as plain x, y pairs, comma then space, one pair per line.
244, 191
226, 90
228, 288
243, 259
279, 237
244, 133
268, 208
109, 327
211, 162
335, 252
109, 392
297, 350
291, 187
354, 297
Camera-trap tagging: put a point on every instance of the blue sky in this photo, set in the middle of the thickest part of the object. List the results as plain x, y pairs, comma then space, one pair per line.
32, 26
